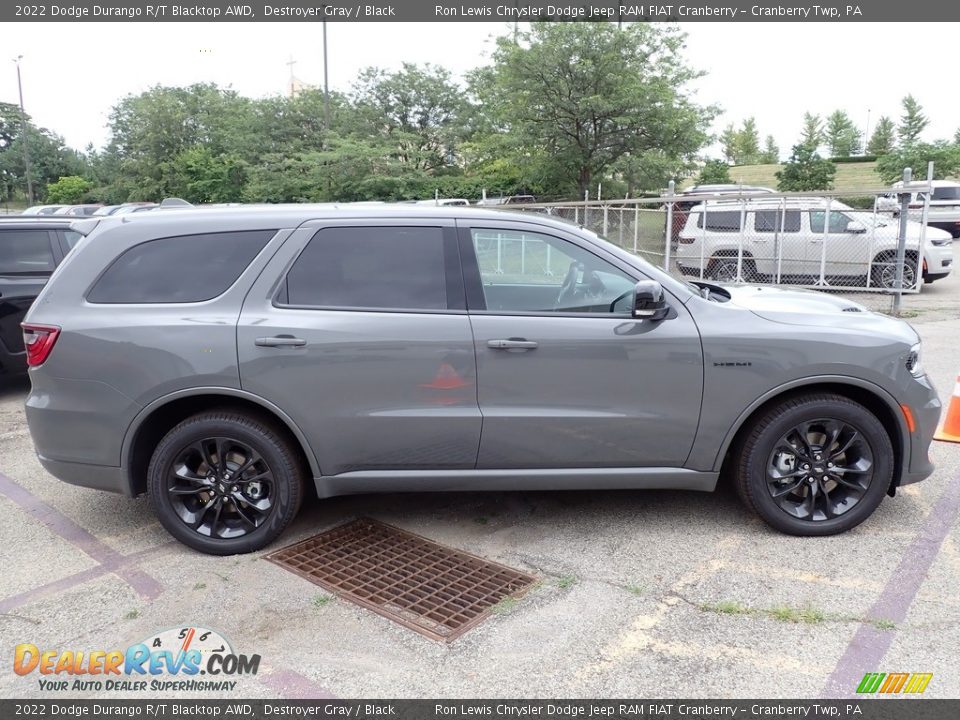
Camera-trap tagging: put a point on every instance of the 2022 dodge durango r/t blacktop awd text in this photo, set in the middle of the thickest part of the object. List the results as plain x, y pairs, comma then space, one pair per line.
218, 360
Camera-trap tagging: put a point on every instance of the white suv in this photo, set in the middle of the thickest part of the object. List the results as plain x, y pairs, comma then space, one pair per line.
944, 211
792, 240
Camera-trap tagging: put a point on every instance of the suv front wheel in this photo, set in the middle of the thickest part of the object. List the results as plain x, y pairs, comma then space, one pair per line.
224, 482
815, 464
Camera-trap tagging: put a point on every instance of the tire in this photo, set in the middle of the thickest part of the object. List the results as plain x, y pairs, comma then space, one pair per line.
763, 468
203, 501
883, 274
724, 269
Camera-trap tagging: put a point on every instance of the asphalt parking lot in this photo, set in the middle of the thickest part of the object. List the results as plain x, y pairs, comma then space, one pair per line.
642, 594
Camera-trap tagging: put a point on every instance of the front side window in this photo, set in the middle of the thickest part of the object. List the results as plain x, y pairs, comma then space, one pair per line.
838, 221
380, 268
25, 252
533, 273
183, 269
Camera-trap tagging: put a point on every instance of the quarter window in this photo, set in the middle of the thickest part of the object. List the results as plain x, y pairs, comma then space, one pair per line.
183, 269
25, 252
380, 268
533, 273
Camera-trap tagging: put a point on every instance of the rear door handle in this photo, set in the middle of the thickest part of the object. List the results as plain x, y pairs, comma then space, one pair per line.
280, 341
512, 344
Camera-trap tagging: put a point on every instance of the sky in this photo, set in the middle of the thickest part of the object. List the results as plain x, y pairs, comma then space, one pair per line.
74, 73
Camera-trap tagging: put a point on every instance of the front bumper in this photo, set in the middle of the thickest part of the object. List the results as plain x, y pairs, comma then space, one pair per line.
924, 404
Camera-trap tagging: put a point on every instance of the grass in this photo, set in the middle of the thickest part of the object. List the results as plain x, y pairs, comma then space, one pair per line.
199, 586
320, 601
505, 606
635, 589
132, 614
784, 613
566, 581
850, 176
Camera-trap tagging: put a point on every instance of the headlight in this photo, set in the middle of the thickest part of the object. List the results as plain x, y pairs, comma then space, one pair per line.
913, 361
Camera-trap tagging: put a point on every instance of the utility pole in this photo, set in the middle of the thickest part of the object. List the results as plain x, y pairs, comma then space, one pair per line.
326, 81
293, 87
26, 136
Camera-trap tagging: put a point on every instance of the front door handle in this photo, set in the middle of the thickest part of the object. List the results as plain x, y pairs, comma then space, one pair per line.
280, 341
512, 344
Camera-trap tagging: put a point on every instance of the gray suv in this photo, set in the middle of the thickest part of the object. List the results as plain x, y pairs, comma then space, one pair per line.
223, 360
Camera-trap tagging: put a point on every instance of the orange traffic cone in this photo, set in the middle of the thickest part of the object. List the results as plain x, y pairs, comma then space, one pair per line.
950, 429
446, 379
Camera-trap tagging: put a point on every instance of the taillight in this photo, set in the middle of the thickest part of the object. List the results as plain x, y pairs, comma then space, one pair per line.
38, 341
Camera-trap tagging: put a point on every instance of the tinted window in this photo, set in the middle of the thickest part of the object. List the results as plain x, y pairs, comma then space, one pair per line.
721, 221
25, 251
838, 221
71, 237
385, 268
188, 268
534, 273
946, 193
777, 221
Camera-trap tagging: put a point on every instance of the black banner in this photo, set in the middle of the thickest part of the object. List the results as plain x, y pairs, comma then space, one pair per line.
185, 709
479, 11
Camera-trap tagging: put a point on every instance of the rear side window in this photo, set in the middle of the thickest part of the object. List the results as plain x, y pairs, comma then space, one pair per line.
721, 221
777, 221
183, 269
382, 268
25, 252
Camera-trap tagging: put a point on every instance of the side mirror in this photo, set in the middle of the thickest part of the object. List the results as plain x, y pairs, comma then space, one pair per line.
856, 227
648, 302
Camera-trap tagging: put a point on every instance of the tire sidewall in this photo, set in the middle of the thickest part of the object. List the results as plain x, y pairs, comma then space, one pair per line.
270, 447
870, 429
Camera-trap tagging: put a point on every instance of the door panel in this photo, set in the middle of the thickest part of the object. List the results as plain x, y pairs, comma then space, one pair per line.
580, 389
371, 388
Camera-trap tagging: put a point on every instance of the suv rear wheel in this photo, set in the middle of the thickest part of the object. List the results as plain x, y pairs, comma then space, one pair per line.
224, 483
815, 464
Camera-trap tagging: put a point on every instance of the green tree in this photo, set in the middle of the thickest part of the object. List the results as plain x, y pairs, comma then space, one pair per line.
883, 138
583, 95
912, 122
729, 141
945, 157
806, 170
748, 143
771, 153
841, 135
714, 172
812, 134
68, 190
416, 110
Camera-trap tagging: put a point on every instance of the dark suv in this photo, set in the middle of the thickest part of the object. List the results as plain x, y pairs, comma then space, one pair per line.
221, 360
30, 249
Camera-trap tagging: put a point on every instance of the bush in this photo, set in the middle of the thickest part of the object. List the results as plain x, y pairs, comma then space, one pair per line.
68, 190
806, 170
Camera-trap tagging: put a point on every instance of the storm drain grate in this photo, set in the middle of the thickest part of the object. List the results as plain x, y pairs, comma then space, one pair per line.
435, 590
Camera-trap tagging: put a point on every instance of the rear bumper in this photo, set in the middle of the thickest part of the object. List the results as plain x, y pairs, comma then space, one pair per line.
97, 477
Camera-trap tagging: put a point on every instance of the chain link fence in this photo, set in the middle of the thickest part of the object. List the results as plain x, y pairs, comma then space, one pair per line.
832, 241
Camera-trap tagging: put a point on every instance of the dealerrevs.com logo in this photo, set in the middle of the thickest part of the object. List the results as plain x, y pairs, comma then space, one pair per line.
171, 660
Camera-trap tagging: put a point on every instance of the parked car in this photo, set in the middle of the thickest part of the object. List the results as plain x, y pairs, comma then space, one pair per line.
944, 210
444, 202
78, 210
221, 360
42, 209
787, 239
134, 207
30, 248
107, 210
